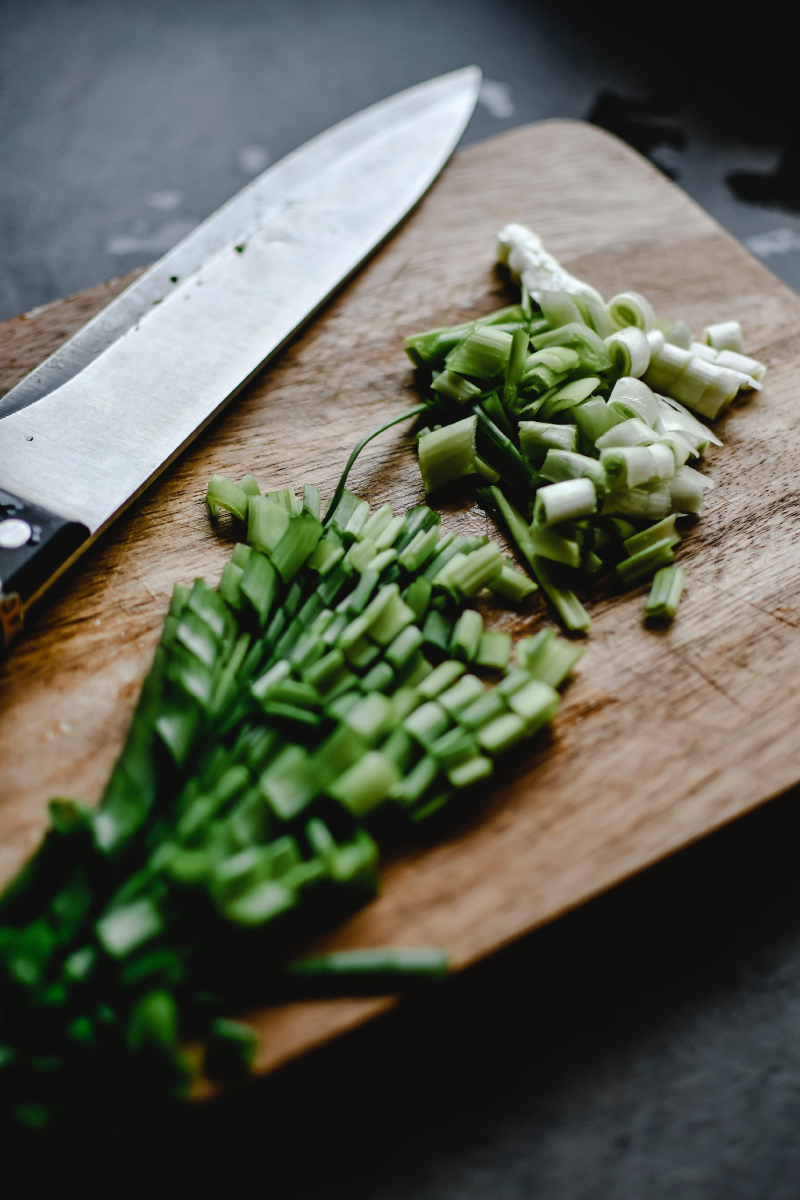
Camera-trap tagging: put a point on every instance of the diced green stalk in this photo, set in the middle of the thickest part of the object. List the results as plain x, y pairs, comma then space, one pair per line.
229, 584
376, 972
485, 471
537, 437
374, 526
124, 929
441, 678
589, 347
594, 418
564, 464
437, 630
267, 523
630, 308
366, 784
221, 493
632, 398
655, 533
391, 532
494, 649
570, 395
642, 564
665, 594
419, 550
404, 645
467, 635
547, 543
259, 585
501, 453
447, 453
727, 335
483, 353
565, 501
548, 658
632, 432
417, 596
686, 491
630, 352
427, 723
484, 708
515, 367
449, 383
502, 734
652, 503
635, 466
325, 556
249, 485
511, 585
569, 608
537, 703
469, 573
461, 695
473, 771
298, 542
456, 746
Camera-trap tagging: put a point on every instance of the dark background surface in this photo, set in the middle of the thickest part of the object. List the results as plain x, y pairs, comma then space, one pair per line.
650, 1044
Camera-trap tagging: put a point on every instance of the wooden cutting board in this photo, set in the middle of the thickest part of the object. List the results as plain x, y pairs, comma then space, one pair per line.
662, 738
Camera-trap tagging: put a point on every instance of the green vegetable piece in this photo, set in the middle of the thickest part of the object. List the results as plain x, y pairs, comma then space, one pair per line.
413, 786
267, 523
511, 585
447, 453
459, 697
548, 658
229, 584
537, 703
494, 649
399, 653
467, 635
261, 904
297, 543
371, 717
290, 783
655, 533
665, 594
221, 493
366, 784
645, 562
427, 723
483, 353
443, 677
259, 585
365, 972
482, 710
123, 930
500, 735
471, 771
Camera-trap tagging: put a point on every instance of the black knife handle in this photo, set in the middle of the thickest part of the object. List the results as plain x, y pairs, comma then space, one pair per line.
34, 544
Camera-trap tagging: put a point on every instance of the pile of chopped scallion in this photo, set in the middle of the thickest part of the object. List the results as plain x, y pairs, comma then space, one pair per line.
578, 429
334, 685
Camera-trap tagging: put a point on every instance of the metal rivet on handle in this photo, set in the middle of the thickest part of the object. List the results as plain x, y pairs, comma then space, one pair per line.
14, 533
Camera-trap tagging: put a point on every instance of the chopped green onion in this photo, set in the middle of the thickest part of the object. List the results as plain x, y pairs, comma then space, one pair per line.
483, 353
448, 453
665, 594
565, 501
644, 562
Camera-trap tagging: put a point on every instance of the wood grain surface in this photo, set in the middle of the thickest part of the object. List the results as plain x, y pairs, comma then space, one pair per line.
662, 738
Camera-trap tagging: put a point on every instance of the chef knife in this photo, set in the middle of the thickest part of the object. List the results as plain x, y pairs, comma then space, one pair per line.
86, 432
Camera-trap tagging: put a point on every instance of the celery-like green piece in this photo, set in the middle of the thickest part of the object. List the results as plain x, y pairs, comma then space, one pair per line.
221, 493
655, 533
267, 523
483, 353
511, 585
642, 564
447, 453
448, 383
665, 594
494, 649
467, 635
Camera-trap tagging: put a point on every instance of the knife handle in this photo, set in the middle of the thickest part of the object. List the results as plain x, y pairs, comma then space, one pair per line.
35, 544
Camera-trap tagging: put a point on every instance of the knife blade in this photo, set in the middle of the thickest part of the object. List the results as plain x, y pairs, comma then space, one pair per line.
83, 435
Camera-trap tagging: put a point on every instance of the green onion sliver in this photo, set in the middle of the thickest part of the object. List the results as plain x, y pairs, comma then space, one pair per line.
565, 501
448, 453
665, 594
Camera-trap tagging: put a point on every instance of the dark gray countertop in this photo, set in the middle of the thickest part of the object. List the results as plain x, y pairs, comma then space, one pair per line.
648, 1045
